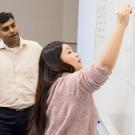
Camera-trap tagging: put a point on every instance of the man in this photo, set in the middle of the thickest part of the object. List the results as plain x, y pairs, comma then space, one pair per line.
18, 77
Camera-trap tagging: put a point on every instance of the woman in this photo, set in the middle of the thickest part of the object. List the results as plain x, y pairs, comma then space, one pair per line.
64, 104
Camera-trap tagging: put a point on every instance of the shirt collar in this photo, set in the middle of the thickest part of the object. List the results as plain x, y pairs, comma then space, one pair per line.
4, 46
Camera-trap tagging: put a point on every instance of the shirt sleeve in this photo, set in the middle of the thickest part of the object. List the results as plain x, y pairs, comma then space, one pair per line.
90, 79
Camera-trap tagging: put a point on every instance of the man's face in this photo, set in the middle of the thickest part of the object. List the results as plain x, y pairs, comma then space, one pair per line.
9, 32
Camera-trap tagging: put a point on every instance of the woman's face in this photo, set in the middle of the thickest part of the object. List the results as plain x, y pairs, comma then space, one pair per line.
70, 57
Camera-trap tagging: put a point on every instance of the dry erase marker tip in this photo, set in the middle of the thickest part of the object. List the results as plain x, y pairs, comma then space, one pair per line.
132, 12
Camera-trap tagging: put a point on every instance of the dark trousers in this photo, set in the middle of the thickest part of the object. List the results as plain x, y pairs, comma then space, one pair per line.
14, 122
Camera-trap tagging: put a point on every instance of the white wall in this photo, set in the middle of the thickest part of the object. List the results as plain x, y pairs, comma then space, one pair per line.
86, 30
116, 98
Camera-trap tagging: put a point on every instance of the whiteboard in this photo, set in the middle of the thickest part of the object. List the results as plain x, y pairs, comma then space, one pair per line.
116, 99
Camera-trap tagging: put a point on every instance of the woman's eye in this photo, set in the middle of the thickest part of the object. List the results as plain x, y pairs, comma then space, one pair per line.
69, 52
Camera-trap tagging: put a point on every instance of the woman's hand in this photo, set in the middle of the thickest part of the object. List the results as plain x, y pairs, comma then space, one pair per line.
111, 52
123, 15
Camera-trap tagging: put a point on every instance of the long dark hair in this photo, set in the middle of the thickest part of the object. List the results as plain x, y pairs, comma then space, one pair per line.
50, 68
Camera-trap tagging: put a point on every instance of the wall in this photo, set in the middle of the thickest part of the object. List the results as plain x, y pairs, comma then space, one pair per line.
86, 30
70, 20
116, 98
44, 20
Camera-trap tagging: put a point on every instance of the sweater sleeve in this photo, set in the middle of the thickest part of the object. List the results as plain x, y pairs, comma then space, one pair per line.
92, 78
89, 79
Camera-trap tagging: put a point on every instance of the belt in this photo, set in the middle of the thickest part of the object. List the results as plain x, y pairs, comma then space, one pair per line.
20, 109
16, 109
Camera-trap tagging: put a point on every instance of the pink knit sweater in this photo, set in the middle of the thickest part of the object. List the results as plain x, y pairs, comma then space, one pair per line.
71, 110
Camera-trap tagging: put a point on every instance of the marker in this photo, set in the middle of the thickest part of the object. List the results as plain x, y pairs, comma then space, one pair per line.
133, 10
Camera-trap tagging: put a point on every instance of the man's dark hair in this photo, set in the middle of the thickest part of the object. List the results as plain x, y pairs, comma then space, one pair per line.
4, 17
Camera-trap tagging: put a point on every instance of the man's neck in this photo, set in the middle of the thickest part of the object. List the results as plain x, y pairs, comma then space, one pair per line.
12, 45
